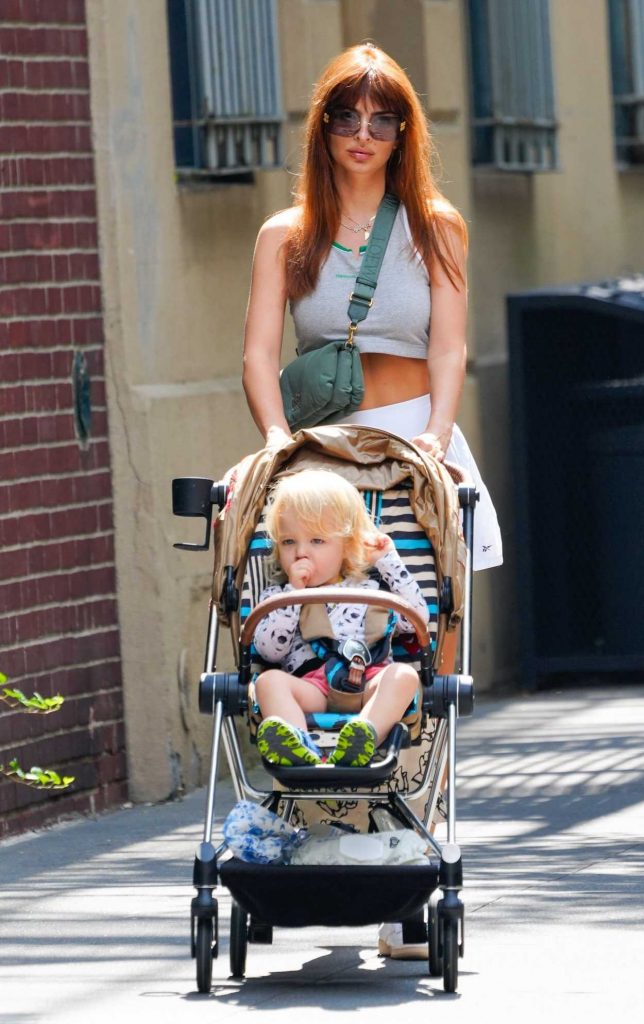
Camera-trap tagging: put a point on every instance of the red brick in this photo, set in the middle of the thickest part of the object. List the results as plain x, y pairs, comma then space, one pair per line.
36, 333
23, 627
34, 171
41, 11
76, 680
44, 526
52, 74
38, 430
43, 205
43, 301
71, 490
57, 557
41, 397
67, 42
87, 331
26, 107
69, 650
53, 138
13, 73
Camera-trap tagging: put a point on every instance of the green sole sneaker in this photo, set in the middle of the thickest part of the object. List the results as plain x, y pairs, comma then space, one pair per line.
356, 744
283, 744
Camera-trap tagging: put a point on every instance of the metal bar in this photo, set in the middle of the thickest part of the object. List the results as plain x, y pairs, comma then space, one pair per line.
466, 629
411, 819
213, 638
451, 774
439, 750
212, 778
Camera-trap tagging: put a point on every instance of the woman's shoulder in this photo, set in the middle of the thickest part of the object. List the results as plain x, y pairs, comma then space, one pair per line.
279, 224
441, 208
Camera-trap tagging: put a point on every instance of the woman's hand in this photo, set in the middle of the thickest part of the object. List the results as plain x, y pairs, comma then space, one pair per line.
376, 545
435, 445
276, 437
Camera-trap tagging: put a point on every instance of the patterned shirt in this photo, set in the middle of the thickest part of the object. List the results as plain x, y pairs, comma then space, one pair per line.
278, 638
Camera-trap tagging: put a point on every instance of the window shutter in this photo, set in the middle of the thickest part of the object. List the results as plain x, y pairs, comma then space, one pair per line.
513, 125
226, 85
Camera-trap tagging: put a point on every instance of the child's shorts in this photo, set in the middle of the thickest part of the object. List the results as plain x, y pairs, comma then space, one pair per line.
318, 677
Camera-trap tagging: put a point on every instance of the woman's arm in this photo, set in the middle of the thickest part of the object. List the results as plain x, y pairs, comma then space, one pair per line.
447, 353
264, 329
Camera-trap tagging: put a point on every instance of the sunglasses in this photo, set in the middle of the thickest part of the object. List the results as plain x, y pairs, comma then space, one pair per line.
346, 122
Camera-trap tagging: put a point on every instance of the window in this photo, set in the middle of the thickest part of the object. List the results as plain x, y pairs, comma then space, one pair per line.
226, 93
513, 126
627, 58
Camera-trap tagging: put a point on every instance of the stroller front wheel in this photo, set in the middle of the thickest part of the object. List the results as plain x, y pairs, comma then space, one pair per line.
204, 953
238, 940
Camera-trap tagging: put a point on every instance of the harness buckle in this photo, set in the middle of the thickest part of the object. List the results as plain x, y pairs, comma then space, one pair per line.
356, 653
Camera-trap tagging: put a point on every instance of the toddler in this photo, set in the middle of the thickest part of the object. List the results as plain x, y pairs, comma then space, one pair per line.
322, 536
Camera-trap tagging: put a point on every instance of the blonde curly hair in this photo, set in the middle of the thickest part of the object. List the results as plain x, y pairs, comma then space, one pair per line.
330, 506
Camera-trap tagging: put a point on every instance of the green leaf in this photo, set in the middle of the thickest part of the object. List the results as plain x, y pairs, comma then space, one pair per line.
3, 677
34, 704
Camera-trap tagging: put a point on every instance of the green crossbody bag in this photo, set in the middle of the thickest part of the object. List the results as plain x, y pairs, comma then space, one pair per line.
329, 380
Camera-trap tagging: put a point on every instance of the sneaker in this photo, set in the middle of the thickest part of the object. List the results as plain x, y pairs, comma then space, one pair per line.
356, 744
282, 743
390, 943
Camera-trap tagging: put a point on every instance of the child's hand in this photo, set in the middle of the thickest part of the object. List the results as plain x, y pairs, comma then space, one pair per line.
300, 573
376, 545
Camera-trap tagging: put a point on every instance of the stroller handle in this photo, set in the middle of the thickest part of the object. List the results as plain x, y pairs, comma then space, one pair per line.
335, 595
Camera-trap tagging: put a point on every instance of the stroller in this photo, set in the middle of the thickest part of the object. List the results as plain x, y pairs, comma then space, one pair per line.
420, 504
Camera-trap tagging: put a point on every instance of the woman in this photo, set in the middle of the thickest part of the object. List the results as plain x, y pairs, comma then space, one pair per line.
366, 133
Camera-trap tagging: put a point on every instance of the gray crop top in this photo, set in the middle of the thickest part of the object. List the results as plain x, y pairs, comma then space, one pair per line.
398, 321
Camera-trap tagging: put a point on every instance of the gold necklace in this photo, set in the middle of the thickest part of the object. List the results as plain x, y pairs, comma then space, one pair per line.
359, 227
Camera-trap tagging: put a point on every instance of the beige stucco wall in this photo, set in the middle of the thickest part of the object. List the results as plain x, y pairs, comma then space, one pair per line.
175, 268
176, 264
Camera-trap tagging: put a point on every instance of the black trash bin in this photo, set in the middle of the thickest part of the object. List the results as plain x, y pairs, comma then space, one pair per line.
616, 459
577, 400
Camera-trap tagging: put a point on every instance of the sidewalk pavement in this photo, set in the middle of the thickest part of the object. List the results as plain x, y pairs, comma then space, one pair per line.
94, 914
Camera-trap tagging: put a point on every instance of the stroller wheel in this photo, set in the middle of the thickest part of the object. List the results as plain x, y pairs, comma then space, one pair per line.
450, 954
433, 936
238, 940
204, 953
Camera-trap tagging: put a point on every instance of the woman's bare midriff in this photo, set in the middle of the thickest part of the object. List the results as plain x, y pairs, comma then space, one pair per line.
390, 379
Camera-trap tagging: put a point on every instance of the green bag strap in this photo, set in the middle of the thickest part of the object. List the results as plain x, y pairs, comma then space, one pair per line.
361, 297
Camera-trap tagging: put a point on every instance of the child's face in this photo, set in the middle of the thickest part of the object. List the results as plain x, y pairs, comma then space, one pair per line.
313, 559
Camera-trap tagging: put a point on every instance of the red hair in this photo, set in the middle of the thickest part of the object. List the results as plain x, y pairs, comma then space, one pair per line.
361, 72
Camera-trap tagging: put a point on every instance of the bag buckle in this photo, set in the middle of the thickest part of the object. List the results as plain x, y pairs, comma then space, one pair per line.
358, 656
352, 330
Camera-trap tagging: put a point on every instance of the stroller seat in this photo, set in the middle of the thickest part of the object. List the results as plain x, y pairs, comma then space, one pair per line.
390, 512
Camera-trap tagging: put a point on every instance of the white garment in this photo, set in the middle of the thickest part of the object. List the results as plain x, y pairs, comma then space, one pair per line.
407, 419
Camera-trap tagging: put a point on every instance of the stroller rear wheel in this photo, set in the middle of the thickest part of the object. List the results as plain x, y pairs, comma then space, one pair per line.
204, 953
433, 936
450, 954
238, 940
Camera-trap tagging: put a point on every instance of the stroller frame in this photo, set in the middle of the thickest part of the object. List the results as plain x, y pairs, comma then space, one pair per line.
223, 695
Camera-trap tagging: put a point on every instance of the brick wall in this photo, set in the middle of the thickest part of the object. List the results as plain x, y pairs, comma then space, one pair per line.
58, 612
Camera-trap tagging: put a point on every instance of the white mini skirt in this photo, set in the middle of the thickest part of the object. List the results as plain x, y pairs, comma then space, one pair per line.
407, 419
